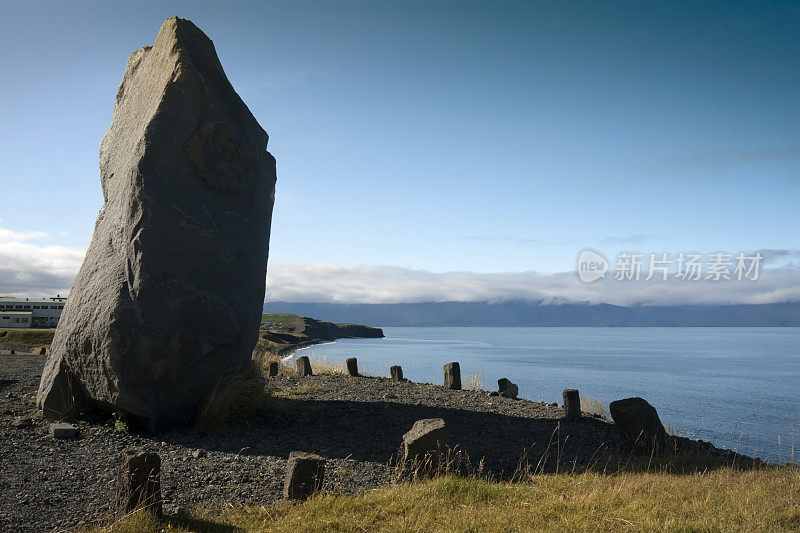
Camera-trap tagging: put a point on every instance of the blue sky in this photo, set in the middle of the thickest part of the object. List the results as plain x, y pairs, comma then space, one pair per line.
484, 137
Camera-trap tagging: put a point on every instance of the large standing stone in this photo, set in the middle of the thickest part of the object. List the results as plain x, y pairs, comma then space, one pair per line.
305, 473
639, 425
352, 366
140, 482
452, 376
424, 437
168, 299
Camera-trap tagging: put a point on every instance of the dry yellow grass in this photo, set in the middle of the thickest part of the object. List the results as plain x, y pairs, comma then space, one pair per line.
590, 404
721, 500
321, 365
475, 381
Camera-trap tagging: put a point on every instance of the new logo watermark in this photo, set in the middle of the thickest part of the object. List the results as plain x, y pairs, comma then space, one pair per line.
591, 266
718, 266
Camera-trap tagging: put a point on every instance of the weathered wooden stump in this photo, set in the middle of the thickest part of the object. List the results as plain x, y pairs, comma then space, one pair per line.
273, 369
640, 426
452, 376
305, 474
396, 372
352, 366
424, 437
303, 366
140, 482
572, 404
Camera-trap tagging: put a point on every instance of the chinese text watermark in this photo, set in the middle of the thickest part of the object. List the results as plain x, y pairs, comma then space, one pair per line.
718, 266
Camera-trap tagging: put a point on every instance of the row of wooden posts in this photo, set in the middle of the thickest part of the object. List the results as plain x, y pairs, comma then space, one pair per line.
452, 380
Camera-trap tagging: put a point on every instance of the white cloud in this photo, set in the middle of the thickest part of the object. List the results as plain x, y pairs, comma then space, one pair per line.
31, 269
387, 284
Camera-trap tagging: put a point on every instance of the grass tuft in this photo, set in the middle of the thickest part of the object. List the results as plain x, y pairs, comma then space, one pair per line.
592, 405
475, 381
321, 365
235, 400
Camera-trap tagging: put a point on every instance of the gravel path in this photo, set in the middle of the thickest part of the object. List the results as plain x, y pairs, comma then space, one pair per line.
48, 484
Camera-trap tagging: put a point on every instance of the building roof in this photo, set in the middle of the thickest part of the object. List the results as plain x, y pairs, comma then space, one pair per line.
10, 300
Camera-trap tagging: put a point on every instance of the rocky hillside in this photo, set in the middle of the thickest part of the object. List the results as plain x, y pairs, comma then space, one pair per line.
283, 333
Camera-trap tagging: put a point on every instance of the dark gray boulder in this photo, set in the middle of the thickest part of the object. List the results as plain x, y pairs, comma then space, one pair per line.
424, 437
640, 426
506, 388
168, 299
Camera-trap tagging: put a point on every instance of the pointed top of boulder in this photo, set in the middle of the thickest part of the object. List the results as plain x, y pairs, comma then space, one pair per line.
183, 37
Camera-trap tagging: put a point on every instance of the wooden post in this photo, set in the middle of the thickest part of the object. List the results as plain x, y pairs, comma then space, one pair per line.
452, 376
303, 366
572, 404
352, 366
396, 372
305, 474
139, 482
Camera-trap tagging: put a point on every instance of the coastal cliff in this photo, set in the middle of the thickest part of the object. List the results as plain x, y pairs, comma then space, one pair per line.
281, 334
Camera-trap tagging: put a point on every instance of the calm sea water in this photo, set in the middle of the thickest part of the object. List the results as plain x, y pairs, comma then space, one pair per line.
735, 387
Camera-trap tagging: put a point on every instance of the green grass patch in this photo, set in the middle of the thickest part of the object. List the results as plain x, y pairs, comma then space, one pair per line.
719, 500
39, 337
279, 318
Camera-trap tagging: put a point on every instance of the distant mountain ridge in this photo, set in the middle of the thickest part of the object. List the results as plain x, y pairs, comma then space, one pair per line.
519, 313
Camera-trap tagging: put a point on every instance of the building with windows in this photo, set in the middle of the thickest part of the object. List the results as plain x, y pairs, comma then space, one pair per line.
30, 312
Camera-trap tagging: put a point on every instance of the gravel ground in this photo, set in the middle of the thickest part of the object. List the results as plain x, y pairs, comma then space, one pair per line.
357, 423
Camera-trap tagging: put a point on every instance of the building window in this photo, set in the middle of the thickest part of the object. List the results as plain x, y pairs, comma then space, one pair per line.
16, 320
61, 307
19, 307
36, 307
24, 320
6, 317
